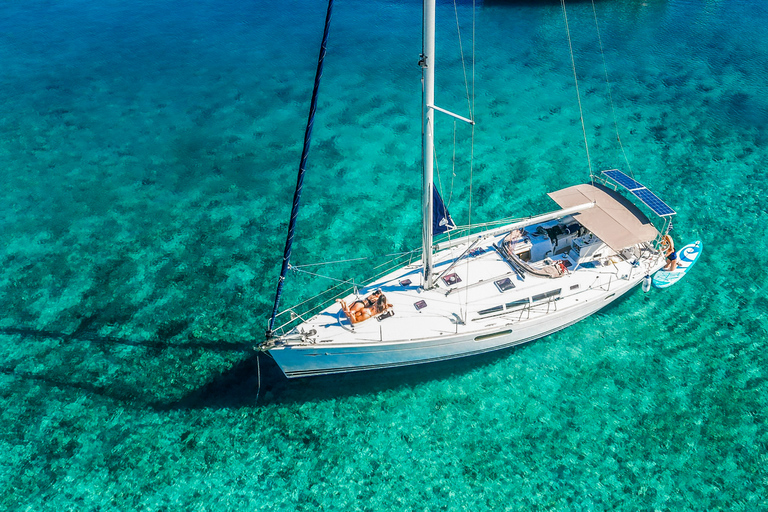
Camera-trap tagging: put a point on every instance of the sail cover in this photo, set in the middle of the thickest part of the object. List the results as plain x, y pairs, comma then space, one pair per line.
614, 219
441, 219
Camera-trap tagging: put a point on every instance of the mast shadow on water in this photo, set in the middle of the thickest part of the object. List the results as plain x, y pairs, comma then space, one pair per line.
84, 361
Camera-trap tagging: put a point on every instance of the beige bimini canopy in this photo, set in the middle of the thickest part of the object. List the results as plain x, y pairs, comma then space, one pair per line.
614, 219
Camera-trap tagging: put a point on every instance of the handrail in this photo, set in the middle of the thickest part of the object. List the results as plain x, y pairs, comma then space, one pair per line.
389, 266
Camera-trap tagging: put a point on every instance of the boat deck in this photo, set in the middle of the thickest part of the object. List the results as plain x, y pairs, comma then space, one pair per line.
485, 291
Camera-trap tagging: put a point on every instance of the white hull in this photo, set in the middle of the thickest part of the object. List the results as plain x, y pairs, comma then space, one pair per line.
434, 334
301, 361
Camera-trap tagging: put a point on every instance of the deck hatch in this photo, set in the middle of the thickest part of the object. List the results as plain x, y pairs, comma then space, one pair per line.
504, 284
451, 279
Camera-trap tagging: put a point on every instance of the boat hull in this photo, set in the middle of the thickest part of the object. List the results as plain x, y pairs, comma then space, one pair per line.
324, 359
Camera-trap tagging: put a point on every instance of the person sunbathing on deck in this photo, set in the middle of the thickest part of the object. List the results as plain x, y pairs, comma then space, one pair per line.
360, 310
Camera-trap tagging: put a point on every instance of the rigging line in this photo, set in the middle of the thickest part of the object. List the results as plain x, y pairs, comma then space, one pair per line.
578, 95
471, 174
302, 170
295, 306
341, 283
326, 263
463, 65
463, 311
352, 281
437, 169
405, 253
393, 264
453, 163
316, 307
314, 297
395, 254
610, 96
393, 261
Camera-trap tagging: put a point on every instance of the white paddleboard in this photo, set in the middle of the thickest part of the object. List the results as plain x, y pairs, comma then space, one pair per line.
686, 257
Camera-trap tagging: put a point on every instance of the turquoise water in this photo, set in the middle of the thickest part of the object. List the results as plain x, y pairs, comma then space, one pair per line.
148, 156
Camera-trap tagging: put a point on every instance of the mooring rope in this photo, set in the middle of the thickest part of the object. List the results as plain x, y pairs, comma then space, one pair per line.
258, 372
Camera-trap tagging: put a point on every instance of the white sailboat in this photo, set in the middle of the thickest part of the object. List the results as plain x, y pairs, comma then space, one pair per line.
486, 291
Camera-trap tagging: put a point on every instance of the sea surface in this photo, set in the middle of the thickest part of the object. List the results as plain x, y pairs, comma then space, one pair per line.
148, 153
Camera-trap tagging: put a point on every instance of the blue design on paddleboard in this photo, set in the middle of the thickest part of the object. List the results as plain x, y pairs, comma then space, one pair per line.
687, 256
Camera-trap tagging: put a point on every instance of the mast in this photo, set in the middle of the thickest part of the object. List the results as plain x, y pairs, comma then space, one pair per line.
427, 63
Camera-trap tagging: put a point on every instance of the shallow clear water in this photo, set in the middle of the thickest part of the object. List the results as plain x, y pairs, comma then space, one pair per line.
148, 158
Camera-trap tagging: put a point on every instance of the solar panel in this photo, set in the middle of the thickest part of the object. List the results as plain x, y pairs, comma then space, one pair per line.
646, 196
623, 180
659, 207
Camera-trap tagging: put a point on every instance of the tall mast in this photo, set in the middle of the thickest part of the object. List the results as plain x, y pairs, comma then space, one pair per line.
427, 64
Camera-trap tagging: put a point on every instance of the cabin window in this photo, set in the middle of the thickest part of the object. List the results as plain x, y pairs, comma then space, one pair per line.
517, 303
546, 295
574, 287
508, 307
494, 309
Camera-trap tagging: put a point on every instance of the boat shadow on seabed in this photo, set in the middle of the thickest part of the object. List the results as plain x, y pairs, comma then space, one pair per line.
255, 380
239, 386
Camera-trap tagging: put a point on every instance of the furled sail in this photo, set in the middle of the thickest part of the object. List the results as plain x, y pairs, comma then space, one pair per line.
302, 170
441, 219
